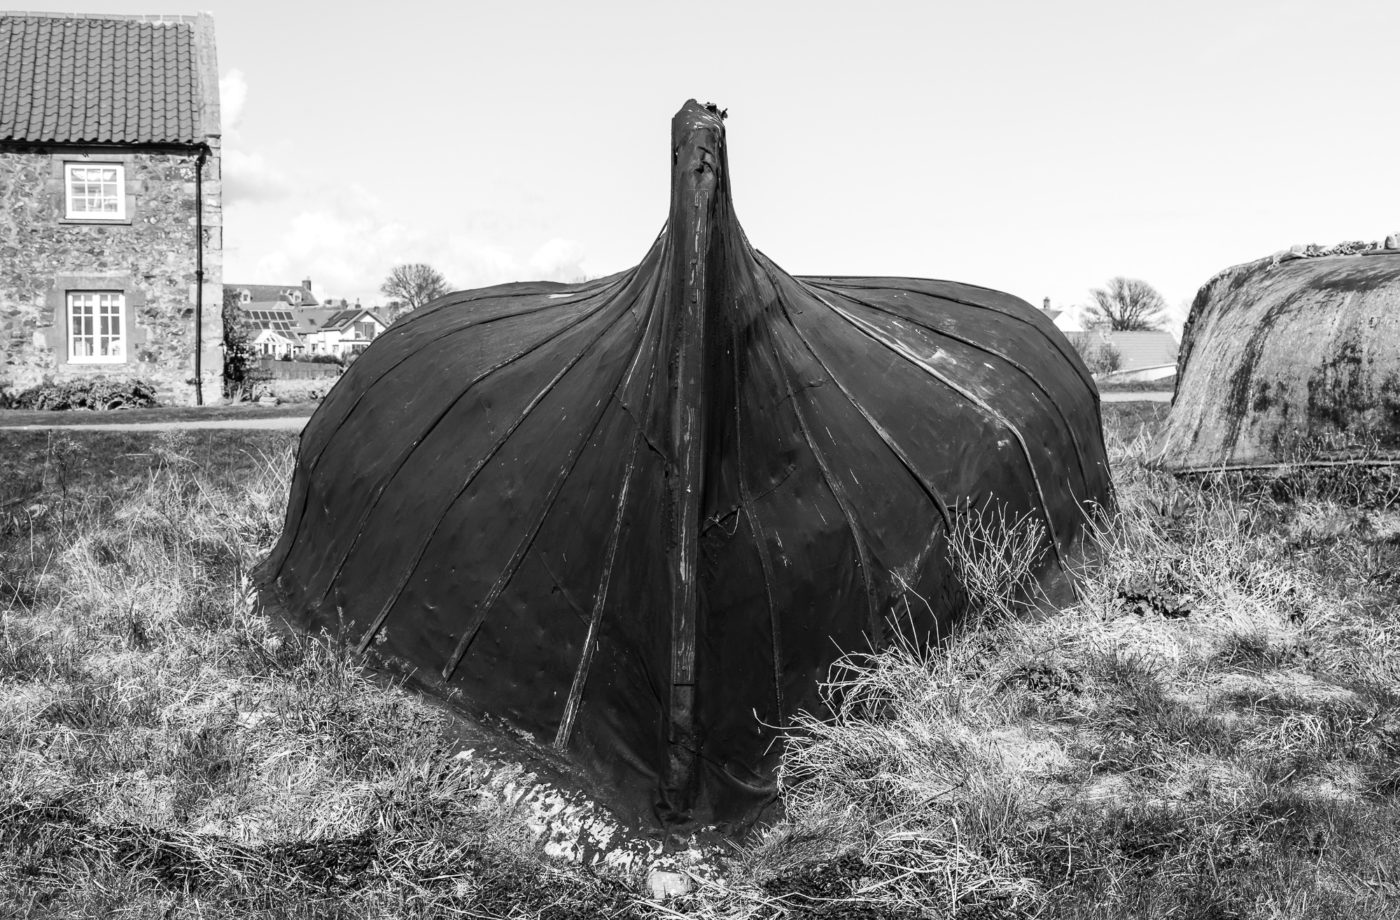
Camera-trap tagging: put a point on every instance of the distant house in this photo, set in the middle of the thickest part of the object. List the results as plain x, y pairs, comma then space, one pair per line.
288, 319
110, 201
310, 321
345, 332
1142, 355
1067, 321
271, 314
272, 331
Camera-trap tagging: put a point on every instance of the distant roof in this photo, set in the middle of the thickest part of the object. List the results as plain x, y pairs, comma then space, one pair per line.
313, 319
1149, 348
77, 78
270, 293
267, 316
343, 318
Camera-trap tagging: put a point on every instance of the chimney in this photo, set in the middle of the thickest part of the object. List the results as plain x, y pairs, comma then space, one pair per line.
306, 284
1046, 308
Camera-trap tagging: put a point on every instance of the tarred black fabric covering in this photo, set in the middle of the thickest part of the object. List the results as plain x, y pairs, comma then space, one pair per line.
640, 517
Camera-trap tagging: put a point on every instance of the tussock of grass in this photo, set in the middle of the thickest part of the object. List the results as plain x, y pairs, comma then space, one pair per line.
1212, 731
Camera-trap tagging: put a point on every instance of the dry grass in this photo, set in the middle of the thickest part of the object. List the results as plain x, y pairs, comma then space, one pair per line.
165, 752
1213, 732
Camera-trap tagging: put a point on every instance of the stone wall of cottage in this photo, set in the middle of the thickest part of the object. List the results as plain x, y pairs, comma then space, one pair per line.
150, 257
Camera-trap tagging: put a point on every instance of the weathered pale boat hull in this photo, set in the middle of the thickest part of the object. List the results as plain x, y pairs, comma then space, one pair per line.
1288, 362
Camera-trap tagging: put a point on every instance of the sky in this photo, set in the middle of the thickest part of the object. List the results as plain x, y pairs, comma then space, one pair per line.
1038, 148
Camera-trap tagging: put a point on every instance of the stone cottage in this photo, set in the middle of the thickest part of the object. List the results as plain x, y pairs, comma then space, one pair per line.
110, 201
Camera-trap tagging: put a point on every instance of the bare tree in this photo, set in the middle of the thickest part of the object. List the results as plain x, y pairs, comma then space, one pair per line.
412, 286
1100, 356
1125, 305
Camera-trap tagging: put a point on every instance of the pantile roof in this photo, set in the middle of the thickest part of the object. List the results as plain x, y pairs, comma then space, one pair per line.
94, 79
272, 293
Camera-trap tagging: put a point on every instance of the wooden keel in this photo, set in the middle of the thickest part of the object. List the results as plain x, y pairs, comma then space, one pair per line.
697, 136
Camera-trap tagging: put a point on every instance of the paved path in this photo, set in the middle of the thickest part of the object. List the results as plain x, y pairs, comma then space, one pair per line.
298, 423
271, 424
1136, 396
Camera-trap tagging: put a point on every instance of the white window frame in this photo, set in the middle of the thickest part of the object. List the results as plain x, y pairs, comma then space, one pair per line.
88, 335
119, 192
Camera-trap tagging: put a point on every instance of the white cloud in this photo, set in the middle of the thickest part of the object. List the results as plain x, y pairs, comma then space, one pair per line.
284, 221
249, 177
246, 176
559, 260
347, 242
233, 93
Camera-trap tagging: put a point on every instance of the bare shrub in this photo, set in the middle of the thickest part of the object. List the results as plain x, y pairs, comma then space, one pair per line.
1098, 353
995, 557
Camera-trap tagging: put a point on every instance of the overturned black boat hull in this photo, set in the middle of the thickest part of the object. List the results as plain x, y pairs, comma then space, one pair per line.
638, 518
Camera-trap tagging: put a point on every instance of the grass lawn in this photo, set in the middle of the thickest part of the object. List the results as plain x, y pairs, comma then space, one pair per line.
1166, 383
1213, 732
10, 418
1129, 421
80, 466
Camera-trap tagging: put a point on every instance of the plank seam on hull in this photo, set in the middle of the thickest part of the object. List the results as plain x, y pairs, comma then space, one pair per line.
985, 407
465, 327
765, 562
417, 442
600, 597
837, 491
814, 281
1074, 438
512, 566
885, 438
480, 465
340, 423
587, 289
1072, 356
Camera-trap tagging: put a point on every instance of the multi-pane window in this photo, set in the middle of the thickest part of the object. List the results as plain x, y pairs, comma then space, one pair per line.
95, 191
95, 333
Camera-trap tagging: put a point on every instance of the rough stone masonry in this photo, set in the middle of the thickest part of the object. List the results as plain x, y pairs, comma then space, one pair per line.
150, 258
